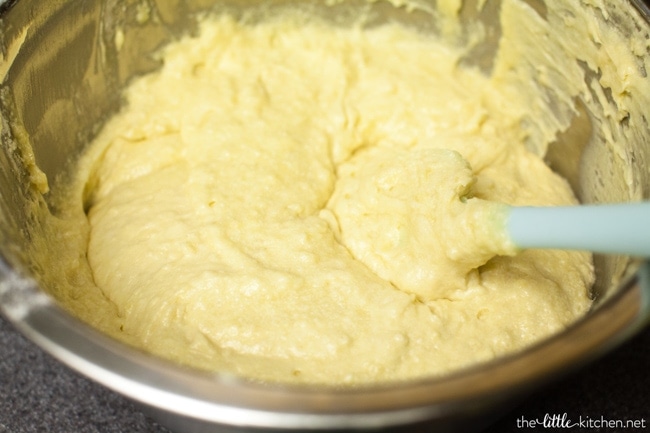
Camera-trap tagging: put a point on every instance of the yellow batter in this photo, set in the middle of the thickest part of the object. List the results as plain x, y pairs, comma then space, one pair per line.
287, 202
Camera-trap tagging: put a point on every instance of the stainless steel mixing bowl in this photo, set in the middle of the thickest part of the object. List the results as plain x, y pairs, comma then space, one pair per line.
62, 66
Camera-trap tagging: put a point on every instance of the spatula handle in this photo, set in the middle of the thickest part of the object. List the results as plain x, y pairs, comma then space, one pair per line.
607, 228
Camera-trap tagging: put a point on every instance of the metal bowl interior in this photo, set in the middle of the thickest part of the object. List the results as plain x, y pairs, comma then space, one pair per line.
61, 73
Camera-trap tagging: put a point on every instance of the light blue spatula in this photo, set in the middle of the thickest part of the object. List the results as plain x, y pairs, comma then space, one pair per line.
609, 229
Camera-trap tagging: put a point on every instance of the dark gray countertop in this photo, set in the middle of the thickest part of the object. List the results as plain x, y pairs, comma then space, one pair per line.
38, 394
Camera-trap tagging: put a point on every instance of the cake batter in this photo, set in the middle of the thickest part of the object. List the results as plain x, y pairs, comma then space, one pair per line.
288, 201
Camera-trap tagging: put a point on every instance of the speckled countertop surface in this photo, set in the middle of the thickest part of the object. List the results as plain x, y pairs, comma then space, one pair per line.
38, 394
